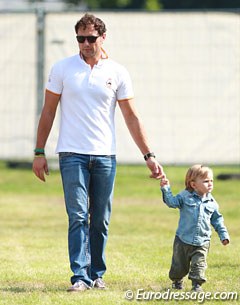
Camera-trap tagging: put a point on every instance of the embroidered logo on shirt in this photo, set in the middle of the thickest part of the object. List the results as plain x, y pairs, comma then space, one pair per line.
109, 83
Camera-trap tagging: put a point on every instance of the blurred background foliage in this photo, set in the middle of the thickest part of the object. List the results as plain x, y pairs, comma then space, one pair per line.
151, 5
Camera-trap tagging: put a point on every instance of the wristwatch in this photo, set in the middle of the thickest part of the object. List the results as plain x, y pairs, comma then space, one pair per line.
148, 155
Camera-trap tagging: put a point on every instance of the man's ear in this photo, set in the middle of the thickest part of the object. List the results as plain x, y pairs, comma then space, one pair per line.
104, 36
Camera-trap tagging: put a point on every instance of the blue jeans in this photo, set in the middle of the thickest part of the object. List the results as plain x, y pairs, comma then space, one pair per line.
88, 183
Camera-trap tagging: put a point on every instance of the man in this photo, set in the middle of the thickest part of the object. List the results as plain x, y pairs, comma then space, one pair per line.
88, 86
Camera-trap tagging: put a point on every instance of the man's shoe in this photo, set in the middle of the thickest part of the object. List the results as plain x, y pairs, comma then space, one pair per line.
177, 285
99, 284
78, 286
196, 287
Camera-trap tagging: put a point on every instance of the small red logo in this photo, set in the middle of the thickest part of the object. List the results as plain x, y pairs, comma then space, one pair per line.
109, 83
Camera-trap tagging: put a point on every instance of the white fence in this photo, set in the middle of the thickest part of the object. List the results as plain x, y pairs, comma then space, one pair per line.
185, 69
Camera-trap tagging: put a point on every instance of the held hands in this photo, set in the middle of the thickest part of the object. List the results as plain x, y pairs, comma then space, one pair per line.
40, 167
164, 181
155, 168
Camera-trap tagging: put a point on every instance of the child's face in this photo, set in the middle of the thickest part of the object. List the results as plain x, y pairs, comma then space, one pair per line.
202, 186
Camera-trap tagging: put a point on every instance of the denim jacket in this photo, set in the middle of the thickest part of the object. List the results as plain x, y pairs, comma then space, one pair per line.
197, 214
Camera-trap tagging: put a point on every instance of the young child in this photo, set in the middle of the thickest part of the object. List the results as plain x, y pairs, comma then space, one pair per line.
198, 211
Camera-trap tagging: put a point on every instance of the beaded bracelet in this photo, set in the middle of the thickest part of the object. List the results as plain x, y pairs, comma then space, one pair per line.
39, 150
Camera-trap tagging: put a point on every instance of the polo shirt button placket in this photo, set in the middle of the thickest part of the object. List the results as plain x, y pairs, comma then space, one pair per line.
90, 79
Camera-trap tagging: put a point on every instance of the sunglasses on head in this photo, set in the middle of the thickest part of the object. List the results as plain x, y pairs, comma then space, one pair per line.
90, 39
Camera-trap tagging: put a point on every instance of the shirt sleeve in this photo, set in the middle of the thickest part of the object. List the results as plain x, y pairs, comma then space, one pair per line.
125, 88
217, 222
55, 79
170, 200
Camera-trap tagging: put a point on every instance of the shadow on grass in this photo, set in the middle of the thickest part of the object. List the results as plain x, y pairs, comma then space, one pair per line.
226, 264
22, 289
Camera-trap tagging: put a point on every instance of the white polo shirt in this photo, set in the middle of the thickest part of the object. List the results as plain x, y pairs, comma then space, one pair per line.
88, 102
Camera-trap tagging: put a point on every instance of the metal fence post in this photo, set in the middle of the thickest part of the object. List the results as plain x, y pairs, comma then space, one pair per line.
40, 58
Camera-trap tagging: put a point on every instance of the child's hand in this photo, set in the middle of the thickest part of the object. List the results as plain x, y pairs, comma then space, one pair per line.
225, 242
164, 181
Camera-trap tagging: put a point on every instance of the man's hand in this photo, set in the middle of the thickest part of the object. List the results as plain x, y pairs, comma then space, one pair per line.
155, 168
40, 167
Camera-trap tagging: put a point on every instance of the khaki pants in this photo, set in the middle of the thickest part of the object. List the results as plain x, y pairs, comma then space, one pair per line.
188, 259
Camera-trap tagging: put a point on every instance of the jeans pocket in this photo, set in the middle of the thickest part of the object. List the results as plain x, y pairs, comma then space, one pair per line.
65, 154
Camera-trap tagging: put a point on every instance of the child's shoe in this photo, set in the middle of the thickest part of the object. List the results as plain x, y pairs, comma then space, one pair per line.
196, 287
177, 285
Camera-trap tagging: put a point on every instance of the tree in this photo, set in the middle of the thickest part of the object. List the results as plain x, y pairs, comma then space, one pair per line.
118, 4
152, 5
203, 4
149, 5
102, 4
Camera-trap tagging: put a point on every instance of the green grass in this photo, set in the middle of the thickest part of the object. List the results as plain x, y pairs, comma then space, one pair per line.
34, 266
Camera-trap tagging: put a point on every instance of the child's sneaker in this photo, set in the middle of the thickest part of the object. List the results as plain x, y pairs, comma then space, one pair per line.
196, 287
177, 285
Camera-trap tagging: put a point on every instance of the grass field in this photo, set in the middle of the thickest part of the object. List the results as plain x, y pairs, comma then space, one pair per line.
34, 267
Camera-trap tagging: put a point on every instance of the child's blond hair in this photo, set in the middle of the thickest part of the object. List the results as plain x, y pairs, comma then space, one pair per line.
196, 171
